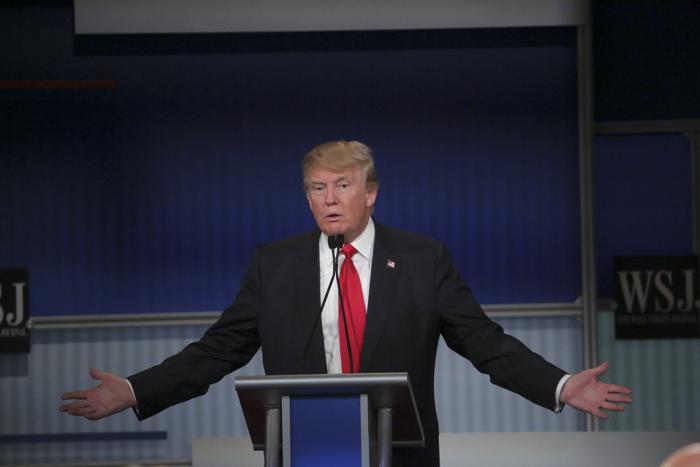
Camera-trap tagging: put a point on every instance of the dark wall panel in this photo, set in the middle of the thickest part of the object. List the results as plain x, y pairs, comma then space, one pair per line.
646, 58
643, 199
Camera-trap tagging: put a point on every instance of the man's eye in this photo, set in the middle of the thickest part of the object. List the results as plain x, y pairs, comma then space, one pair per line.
343, 186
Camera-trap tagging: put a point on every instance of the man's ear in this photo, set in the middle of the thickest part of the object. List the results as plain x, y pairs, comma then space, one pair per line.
371, 197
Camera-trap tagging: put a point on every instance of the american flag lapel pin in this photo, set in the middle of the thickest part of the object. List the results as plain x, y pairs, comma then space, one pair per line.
390, 263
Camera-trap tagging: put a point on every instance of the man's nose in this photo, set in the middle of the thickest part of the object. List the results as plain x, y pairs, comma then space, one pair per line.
329, 196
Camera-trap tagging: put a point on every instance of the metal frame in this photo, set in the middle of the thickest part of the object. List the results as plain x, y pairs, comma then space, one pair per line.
586, 197
694, 138
691, 129
206, 318
687, 126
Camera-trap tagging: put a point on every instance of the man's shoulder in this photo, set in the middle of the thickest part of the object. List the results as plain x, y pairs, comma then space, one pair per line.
407, 242
298, 244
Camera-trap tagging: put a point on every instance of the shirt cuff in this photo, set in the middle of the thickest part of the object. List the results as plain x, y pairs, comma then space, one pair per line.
133, 394
558, 406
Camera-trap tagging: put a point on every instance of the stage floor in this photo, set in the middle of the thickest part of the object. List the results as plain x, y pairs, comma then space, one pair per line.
521, 449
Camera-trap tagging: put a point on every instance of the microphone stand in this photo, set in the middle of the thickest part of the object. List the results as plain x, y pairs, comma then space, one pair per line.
335, 242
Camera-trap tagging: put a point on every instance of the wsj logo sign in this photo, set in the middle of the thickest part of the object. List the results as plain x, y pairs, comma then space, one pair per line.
14, 310
656, 297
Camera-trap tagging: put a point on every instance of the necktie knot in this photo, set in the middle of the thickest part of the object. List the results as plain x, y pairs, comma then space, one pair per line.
348, 250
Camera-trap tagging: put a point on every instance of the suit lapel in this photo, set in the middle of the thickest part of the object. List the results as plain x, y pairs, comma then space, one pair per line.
308, 304
381, 294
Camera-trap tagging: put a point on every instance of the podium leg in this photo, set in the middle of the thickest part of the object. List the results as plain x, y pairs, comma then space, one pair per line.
272, 437
384, 435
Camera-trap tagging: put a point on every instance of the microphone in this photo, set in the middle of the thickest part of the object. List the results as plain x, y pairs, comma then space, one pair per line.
335, 242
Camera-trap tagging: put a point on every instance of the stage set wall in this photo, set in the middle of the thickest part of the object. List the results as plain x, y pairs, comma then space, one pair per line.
646, 66
644, 207
147, 188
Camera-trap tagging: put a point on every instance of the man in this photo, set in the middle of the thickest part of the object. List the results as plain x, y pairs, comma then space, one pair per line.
400, 292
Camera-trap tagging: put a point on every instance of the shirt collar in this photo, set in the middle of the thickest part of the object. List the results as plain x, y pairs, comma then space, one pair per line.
364, 243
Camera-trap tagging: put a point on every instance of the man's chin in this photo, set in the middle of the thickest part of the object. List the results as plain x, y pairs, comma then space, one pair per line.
333, 230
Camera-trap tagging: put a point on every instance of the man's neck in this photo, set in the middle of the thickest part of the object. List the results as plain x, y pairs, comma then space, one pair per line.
364, 242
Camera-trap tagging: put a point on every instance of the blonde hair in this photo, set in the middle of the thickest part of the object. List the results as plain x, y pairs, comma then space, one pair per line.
340, 155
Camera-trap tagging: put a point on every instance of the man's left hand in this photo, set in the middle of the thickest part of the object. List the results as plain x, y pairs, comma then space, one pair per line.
586, 392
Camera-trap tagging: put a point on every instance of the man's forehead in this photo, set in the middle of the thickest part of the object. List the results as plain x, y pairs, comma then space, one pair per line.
323, 175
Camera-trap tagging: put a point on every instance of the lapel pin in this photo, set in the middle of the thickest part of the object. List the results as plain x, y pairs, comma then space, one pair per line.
390, 263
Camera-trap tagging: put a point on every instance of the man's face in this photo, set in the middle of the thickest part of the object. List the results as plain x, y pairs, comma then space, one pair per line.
339, 201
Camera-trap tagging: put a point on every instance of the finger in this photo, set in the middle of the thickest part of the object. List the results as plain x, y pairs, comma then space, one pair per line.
82, 394
611, 406
599, 413
73, 406
82, 411
96, 374
72, 409
601, 369
618, 388
94, 416
613, 397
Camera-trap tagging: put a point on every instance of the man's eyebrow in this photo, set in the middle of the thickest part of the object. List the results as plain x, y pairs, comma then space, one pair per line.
343, 178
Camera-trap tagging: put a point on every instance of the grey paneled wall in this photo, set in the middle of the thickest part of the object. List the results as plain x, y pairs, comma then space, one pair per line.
664, 375
60, 360
467, 401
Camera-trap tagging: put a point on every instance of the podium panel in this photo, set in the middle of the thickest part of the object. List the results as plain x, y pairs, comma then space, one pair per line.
325, 431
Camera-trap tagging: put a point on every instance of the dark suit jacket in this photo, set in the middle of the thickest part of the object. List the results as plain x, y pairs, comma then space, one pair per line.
410, 306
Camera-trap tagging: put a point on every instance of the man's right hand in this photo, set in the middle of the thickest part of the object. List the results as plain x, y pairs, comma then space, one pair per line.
112, 395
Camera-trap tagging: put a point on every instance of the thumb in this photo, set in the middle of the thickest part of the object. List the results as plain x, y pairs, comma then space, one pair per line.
96, 374
601, 369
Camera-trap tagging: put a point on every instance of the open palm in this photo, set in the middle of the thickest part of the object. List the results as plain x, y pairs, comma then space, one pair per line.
585, 391
112, 395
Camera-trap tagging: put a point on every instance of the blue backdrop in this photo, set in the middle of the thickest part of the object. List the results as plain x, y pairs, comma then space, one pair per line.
151, 196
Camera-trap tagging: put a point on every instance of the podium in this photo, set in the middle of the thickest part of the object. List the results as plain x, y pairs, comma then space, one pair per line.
320, 420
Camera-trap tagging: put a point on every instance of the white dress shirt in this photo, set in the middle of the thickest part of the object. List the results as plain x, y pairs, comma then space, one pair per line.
364, 244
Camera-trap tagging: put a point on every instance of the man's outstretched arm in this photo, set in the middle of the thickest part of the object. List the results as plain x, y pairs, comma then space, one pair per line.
586, 392
111, 396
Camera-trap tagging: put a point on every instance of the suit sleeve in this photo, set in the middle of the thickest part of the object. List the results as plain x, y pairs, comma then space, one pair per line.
226, 346
469, 332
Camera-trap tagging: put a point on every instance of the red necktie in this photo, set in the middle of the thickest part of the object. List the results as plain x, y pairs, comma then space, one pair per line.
354, 305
